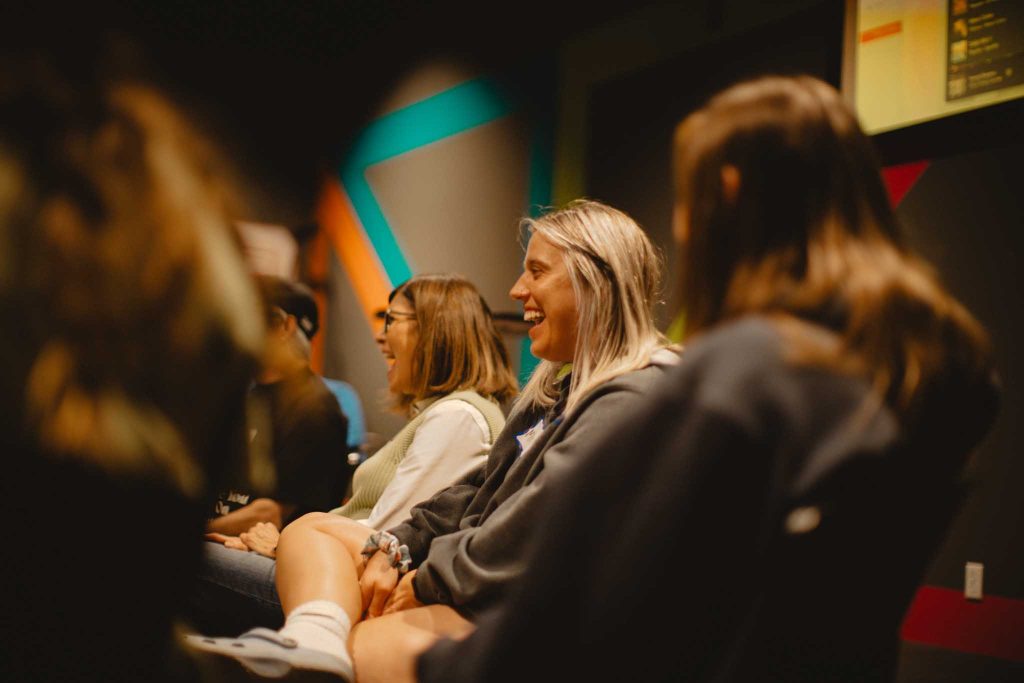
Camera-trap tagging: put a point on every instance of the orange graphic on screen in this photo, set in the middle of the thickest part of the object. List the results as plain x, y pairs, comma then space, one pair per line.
892, 28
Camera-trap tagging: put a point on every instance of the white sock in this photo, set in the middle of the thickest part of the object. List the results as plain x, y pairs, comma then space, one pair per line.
319, 625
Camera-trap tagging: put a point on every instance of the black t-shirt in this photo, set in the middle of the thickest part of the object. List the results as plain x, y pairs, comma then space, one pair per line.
306, 439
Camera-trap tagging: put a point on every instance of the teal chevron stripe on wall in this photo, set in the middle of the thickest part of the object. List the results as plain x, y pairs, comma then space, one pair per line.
448, 113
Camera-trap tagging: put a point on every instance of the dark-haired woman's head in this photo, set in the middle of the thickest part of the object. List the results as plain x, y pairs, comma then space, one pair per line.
439, 337
775, 184
781, 209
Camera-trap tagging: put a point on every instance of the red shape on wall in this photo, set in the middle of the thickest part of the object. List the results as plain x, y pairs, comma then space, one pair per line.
900, 178
944, 618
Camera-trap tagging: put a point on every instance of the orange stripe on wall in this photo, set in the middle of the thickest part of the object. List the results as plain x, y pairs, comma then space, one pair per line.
354, 251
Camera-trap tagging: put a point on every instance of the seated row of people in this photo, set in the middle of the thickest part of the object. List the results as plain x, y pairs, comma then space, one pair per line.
748, 493
745, 491
589, 285
448, 372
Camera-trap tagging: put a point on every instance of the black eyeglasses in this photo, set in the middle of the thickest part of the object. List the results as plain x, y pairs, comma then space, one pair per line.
391, 316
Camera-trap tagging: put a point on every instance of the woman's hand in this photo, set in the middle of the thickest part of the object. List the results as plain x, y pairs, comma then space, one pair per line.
404, 596
262, 538
379, 579
233, 542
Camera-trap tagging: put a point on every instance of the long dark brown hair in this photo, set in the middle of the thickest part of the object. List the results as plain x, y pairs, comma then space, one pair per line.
806, 231
457, 346
138, 325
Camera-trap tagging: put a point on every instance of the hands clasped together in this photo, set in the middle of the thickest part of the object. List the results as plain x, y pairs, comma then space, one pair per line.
261, 538
383, 592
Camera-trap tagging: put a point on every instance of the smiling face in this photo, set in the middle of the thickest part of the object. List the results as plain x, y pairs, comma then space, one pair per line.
397, 345
549, 302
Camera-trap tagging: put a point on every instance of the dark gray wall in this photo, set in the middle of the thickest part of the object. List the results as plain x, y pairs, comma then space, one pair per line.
966, 215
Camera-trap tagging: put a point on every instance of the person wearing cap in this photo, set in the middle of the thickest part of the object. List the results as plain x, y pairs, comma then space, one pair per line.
304, 433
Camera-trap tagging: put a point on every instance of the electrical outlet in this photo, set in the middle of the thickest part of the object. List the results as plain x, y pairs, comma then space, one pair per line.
973, 576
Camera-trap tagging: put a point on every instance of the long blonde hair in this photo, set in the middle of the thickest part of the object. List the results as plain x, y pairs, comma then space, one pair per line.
616, 276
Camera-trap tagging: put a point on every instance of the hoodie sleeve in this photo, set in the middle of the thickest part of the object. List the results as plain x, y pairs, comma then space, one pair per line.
469, 568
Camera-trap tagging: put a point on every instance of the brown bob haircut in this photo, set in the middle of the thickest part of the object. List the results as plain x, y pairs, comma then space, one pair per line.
457, 347
805, 229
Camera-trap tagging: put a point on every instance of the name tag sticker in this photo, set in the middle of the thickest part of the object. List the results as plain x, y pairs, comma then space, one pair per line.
527, 438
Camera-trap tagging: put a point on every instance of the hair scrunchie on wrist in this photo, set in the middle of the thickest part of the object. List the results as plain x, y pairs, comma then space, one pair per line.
397, 553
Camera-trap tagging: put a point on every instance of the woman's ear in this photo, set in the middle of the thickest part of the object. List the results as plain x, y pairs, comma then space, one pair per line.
730, 183
290, 325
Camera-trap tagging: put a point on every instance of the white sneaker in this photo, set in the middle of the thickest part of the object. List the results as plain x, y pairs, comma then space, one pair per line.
267, 653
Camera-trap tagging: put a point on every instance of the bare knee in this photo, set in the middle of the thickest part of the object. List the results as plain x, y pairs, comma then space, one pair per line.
303, 525
311, 519
349, 532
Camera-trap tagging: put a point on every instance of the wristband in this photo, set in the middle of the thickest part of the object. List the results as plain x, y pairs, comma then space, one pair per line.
396, 552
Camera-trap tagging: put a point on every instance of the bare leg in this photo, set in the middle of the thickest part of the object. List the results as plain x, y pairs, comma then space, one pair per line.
318, 565
385, 649
318, 558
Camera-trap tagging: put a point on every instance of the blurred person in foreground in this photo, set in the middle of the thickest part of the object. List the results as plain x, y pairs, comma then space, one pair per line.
131, 330
769, 509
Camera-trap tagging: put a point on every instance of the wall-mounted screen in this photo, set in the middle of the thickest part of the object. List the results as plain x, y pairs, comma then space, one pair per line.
909, 61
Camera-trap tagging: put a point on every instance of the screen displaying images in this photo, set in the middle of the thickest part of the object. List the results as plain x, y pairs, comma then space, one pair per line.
909, 61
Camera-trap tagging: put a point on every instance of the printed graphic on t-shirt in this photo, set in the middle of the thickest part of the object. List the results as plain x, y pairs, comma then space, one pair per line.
231, 501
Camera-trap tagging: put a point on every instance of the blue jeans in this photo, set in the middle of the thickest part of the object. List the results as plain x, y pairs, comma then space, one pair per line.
235, 591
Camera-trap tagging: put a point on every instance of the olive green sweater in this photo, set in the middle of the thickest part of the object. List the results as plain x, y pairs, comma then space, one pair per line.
374, 475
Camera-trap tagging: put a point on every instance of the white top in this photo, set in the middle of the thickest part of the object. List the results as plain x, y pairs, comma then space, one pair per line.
452, 441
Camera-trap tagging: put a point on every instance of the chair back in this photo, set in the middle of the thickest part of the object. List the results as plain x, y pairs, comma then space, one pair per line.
350, 404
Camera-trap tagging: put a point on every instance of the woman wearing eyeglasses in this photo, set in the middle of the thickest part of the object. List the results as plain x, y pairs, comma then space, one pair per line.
448, 370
